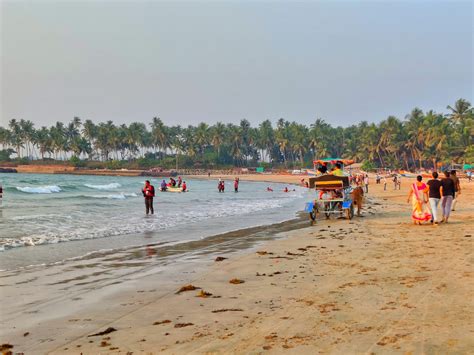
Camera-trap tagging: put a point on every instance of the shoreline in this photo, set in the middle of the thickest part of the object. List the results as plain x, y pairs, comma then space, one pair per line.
88, 270
373, 284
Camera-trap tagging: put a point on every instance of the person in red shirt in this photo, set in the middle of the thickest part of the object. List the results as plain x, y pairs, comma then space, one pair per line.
236, 185
149, 192
184, 186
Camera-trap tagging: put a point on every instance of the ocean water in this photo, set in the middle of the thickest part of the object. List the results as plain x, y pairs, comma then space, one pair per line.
50, 218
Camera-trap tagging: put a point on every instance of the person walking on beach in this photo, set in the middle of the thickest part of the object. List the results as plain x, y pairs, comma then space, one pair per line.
447, 193
148, 193
419, 197
384, 183
457, 188
434, 196
366, 183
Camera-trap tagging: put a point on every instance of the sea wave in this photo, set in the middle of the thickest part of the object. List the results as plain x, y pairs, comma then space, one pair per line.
39, 189
120, 196
111, 186
71, 224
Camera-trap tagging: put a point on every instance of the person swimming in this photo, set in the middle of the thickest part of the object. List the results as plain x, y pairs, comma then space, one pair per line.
269, 189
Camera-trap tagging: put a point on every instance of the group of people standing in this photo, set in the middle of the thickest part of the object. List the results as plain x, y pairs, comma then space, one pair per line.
221, 185
425, 198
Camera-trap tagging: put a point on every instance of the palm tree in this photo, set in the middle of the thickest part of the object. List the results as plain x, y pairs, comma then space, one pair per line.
44, 141
201, 137
16, 136
217, 137
5, 138
158, 133
266, 138
461, 110
89, 132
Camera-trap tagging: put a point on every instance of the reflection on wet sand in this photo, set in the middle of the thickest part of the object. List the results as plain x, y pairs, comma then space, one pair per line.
47, 290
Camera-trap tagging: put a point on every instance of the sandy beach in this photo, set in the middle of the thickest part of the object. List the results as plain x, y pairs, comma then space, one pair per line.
376, 284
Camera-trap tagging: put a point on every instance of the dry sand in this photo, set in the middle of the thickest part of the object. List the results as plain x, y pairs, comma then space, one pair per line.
376, 284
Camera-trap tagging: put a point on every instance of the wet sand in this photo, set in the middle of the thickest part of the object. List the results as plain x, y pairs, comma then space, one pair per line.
376, 284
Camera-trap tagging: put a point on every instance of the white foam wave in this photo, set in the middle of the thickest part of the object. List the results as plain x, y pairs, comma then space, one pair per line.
120, 196
47, 230
39, 189
111, 186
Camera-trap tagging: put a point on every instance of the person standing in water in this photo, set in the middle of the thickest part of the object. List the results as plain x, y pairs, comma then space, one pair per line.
236, 185
220, 185
1, 194
148, 193
184, 186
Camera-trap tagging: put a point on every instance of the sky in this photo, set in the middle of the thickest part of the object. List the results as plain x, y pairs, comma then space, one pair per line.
194, 61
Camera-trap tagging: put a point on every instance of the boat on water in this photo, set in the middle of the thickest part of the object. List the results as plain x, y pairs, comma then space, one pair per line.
173, 189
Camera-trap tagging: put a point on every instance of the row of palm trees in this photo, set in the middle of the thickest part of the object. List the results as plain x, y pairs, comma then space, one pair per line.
420, 139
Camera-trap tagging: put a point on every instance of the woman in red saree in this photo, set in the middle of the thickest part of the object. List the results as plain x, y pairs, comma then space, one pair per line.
419, 197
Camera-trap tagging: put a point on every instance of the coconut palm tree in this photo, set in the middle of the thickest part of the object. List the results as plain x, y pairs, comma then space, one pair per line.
89, 132
201, 137
461, 110
217, 137
44, 141
265, 138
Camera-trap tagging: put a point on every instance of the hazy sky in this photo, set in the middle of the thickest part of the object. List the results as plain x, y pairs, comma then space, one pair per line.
195, 61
